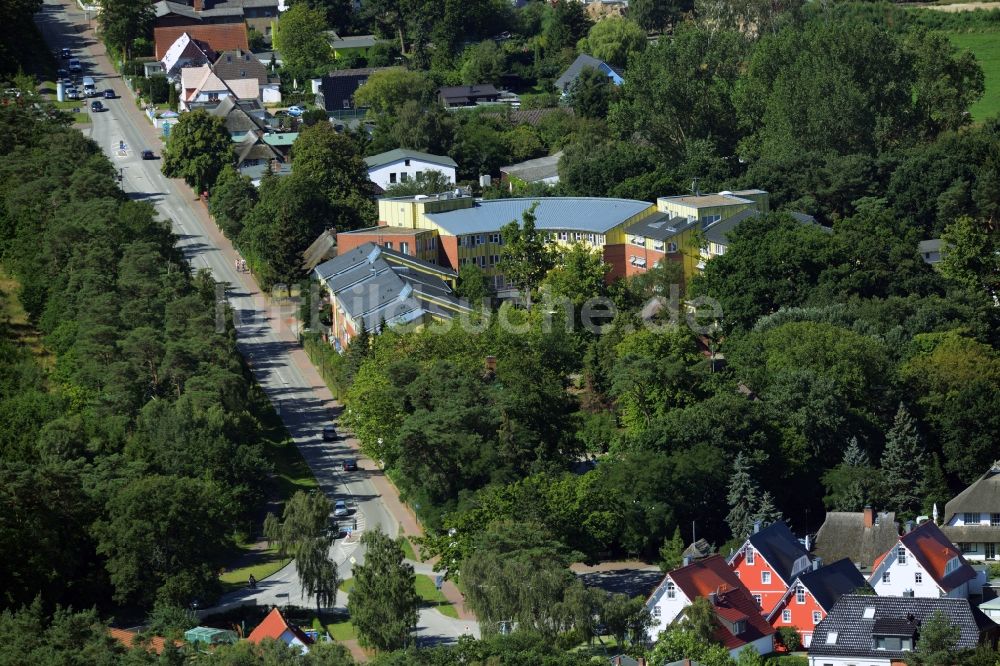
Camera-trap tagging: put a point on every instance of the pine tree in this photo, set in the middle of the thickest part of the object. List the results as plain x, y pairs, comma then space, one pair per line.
767, 512
672, 551
854, 455
743, 498
903, 464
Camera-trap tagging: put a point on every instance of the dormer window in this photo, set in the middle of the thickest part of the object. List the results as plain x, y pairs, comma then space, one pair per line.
894, 643
739, 627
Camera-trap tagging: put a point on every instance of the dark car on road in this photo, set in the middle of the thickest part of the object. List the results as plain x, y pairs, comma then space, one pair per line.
65, 53
109, 94
350, 465
329, 433
148, 155
96, 106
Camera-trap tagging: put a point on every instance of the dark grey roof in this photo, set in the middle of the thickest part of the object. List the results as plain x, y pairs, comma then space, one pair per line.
373, 283
214, 9
660, 226
350, 41
894, 626
236, 116
467, 94
239, 64
931, 245
320, 250
844, 534
698, 550
253, 147
781, 549
983, 496
827, 584
390, 156
583, 60
854, 632
719, 231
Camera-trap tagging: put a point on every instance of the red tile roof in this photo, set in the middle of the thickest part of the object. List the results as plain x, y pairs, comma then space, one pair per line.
273, 626
733, 601
934, 550
156, 644
220, 36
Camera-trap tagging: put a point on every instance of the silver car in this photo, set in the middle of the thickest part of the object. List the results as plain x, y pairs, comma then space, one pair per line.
340, 508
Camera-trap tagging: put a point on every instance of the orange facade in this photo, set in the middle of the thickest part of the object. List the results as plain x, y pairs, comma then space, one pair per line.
799, 610
760, 578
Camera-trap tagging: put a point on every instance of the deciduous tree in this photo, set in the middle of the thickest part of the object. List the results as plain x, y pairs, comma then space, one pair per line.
198, 148
524, 257
383, 602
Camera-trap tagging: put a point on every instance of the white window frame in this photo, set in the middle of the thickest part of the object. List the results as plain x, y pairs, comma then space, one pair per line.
750, 555
759, 600
918, 577
800, 594
817, 617
671, 590
886, 578
786, 615
901, 555
765, 577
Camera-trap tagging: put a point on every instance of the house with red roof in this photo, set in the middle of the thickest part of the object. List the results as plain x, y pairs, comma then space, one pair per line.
739, 620
214, 38
924, 563
275, 626
812, 594
768, 561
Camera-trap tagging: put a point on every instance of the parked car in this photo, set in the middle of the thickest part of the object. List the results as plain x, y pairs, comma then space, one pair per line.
350, 465
148, 155
65, 53
109, 94
73, 93
340, 508
75, 65
62, 73
96, 106
296, 111
329, 433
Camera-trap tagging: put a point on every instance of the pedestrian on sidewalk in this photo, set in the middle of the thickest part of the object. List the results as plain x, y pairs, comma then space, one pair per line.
252, 583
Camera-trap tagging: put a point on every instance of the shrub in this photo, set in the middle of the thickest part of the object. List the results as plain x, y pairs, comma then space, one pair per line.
789, 637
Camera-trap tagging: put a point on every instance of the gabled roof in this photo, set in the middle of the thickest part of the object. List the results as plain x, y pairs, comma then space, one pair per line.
215, 10
273, 626
776, 544
827, 584
253, 147
183, 46
854, 629
983, 496
236, 117
843, 534
373, 283
712, 579
932, 549
218, 36
583, 60
397, 154
240, 64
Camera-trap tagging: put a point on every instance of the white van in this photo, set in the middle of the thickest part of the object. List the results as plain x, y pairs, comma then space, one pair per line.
89, 86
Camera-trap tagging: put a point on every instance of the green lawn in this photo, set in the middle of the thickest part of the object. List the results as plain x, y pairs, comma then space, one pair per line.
433, 596
260, 563
342, 631
408, 550
986, 47
430, 595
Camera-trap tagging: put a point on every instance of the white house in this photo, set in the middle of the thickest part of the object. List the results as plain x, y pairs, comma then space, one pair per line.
201, 85
880, 631
924, 563
402, 165
275, 626
184, 52
972, 518
739, 621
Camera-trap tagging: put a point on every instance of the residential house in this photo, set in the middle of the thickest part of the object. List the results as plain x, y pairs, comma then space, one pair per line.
336, 89
768, 561
882, 631
212, 38
402, 165
811, 596
924, 563
276, 627
972, 518
351, 45
240, 117
371, 284
454, 97
539, 170
238, 65
201, 86
565, 82
282, 142
254, 157
184, 51
257, 14
930, 251
859, 536
739, 620
419, 243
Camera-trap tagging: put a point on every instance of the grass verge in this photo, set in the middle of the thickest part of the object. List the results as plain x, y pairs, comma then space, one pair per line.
433, 597
12, 312
342, 631
408, 549
986, 47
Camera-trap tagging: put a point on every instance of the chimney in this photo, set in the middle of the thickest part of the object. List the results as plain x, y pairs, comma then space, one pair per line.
713, 598
808, 544
491, 364
756, 526
816, 564
687, 560
909, 526
869, 516
199, 5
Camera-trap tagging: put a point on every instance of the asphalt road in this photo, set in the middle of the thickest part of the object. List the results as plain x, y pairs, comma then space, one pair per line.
263, 339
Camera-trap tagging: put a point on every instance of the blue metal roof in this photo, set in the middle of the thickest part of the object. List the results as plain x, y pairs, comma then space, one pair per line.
590, 214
